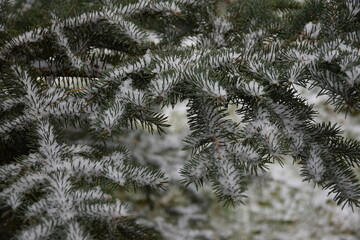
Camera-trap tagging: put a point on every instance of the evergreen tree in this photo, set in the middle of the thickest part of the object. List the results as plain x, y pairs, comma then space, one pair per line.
77, 75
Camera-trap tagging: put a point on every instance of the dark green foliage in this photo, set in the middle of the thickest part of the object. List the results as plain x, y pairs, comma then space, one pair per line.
77, 75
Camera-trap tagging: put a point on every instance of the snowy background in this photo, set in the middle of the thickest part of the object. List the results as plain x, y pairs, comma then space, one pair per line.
279, 204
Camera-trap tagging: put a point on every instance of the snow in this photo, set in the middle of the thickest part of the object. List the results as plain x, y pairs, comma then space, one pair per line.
353, 7
279, 204
253, 88
315, 165
312, 30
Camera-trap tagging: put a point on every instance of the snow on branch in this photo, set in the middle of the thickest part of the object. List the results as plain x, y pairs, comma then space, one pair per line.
229, 183
315, 165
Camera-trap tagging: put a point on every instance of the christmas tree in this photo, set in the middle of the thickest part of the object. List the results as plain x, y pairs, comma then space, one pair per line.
79, 78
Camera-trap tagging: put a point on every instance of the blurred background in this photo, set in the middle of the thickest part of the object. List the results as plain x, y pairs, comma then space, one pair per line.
279, 205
